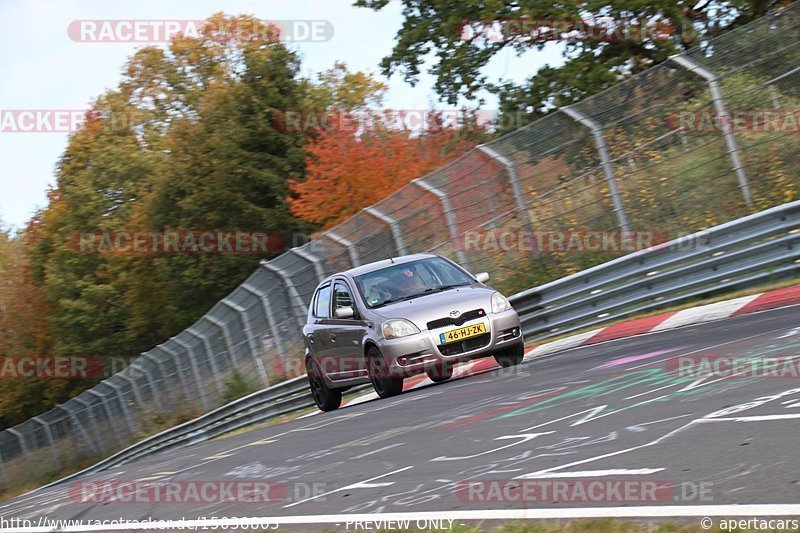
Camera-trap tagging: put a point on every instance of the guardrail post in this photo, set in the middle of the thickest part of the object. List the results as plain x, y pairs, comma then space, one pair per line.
195, 371
254, 351
217, 373
394, 227
725, 117
50, 440
605, 162
351, 249
448, 214
22, 446
513, 178
313, 259
193, 368
268, 313
293, 294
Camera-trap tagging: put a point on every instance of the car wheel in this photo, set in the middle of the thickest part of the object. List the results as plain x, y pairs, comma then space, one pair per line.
440, 372
327, 399
511, 356
384, 384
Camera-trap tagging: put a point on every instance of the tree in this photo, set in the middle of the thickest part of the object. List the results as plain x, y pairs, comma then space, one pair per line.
464, 36
348, 170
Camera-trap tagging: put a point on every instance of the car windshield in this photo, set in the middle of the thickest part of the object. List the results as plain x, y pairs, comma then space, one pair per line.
410, 280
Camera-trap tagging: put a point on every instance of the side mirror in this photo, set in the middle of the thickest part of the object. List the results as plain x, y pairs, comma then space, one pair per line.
482, 277
345, 312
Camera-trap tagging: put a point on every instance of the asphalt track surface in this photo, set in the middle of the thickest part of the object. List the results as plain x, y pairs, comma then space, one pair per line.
614, 411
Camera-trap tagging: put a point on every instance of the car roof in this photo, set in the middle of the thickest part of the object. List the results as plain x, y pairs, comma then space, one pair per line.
383, 263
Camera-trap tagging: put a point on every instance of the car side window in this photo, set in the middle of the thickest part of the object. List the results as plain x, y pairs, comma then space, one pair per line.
341, 296
322, 303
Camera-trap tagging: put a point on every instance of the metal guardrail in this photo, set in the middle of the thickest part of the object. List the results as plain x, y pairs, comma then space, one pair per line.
738, 254
277, 400
742, 253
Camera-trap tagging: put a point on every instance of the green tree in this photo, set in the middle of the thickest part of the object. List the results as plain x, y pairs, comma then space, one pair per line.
435, 29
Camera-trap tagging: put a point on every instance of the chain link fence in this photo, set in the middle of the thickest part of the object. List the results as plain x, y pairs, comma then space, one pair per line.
638, 156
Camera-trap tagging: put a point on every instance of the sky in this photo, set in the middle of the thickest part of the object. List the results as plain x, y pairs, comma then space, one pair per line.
43, 68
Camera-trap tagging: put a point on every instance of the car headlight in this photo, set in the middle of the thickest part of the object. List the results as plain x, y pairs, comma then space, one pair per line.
499, 303
398, 327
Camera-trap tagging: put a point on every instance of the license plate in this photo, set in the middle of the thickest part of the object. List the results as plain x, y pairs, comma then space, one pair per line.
460, 334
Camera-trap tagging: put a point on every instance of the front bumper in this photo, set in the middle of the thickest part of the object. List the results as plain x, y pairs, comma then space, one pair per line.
415, 353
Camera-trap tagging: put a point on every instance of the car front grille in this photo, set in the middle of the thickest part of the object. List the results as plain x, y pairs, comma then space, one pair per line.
458, 321
467, 345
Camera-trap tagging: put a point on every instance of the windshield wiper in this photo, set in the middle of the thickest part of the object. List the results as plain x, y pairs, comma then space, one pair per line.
429, 290
445, 287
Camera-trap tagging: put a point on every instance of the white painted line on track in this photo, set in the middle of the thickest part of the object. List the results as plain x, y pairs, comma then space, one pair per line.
595, 473
366, 484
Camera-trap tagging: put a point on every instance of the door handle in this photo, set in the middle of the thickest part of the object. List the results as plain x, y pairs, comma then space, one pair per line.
333, 336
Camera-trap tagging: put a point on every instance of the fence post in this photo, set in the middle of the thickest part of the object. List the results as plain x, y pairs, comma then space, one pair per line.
725, 118
126, 411
226, 335
770, 85
210, 353
254, 351
22, 446
150, 383
513, 178
181, 377
132, 382
87, 406
605, 162
313, 259
273, 327
394, 227
448, 214
50, 440
78, 425
104, 404
159, 364
195, 371
293, 294
351, 249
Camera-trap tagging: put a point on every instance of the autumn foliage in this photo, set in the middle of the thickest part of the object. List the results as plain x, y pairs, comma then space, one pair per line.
348, 170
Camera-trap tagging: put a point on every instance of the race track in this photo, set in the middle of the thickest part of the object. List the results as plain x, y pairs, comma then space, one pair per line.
613, 411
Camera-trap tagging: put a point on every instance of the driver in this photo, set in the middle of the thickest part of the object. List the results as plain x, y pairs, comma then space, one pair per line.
408, 282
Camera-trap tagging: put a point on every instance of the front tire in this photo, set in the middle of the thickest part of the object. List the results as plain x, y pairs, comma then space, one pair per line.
385, 385
327, 399
511, 356
441, 372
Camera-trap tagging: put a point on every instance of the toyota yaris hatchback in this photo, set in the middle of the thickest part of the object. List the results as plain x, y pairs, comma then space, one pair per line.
392, 319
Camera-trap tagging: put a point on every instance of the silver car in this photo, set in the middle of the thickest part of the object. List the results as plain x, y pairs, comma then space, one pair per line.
399, 317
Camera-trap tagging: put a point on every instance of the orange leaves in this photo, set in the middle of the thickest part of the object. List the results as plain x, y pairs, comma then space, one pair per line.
347, 172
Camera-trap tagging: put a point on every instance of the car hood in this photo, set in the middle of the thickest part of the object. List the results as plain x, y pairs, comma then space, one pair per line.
423, 309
